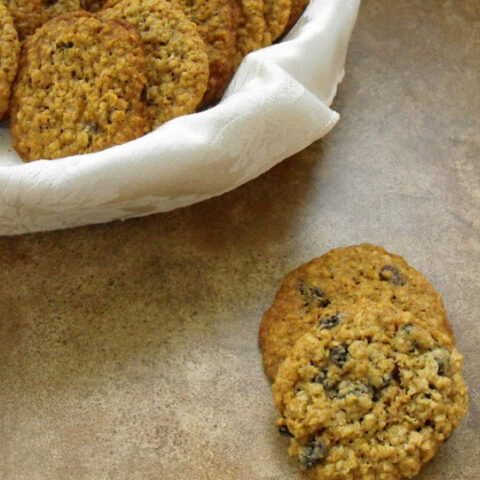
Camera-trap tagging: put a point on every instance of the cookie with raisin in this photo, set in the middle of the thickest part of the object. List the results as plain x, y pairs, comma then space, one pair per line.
79, 88
344, 275
370, 391
216, 22
177, 62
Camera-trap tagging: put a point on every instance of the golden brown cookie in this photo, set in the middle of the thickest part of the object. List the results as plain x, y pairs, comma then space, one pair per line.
217, 22
27, 15
250, 29
9, 51
344, 275
277, 14
54, 8
79, 87
369, 392
177, 63
298, 6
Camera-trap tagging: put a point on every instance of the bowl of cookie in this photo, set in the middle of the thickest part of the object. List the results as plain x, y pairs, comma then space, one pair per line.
118, 108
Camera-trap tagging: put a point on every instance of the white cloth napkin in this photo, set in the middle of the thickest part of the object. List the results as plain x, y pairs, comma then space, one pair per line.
276, 105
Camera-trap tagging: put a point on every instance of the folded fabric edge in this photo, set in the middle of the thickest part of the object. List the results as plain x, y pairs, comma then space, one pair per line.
20, 216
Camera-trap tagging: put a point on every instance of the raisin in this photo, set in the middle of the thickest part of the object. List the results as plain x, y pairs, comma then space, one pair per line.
442, 368
386, 379
312, 454
313, 296
391, 274
65, 45
442, 358
356, 388
283, 430
92, 128
321, 376
143, 95
378, 389
329, 322
412, 338
339, 355
396, 374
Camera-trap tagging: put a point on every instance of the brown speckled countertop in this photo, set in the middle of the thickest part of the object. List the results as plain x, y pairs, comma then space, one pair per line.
129, 351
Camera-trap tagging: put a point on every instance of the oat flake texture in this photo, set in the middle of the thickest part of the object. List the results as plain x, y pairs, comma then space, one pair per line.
344, 275
78, 88
276, 105
372, 394
177, 62
9, 51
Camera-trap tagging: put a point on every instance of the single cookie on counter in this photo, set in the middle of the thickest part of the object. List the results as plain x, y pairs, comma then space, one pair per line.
277, 14
79, 88
251, 28
27, 15
344, 275
177, 63
370, 391
9, 52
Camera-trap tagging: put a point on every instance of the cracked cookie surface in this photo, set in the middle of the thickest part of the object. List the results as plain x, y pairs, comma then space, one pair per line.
78, 88
344, 275
369, 392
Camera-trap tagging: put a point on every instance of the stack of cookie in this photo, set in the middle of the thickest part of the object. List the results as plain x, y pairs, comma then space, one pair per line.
97, 73
366, 376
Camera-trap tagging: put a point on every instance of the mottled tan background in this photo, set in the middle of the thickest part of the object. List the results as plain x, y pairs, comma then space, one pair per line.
128, 350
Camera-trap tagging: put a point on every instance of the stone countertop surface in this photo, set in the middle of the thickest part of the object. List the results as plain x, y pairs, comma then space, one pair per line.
129, 350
